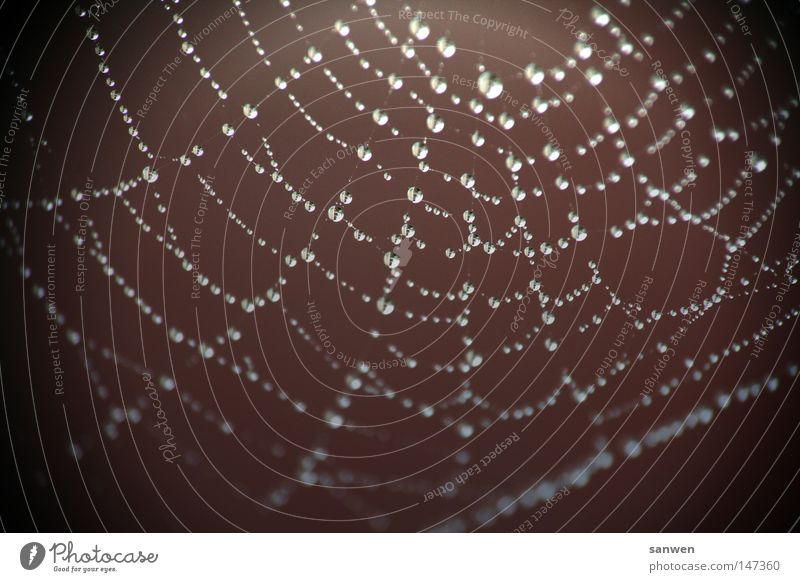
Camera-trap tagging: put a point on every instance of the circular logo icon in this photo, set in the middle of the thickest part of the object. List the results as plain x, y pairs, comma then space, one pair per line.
31, 555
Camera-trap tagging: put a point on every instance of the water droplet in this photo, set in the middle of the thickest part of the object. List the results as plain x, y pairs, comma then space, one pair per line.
419, 29
150, 174
414, 194
490, 85
379, 116
420, 150
435, 123
250, 111
446, 48
336, 213
579, 233
364, 153
385, 305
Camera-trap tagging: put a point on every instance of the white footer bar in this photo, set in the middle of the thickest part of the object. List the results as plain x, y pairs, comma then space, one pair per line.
400, 557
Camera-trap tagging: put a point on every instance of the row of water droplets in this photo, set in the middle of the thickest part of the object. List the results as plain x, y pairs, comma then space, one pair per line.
490, 86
